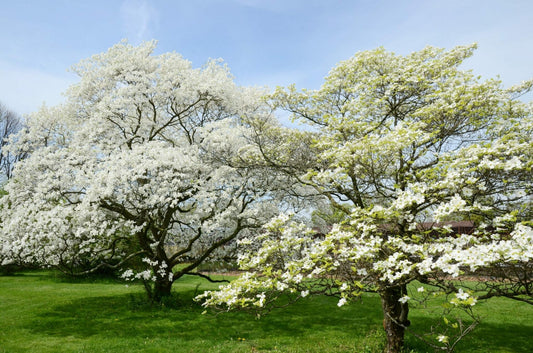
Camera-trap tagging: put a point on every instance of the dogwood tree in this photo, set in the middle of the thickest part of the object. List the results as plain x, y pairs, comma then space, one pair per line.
143, 161
402, 146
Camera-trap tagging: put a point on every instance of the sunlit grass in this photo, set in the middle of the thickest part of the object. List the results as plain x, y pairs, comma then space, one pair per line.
43, 312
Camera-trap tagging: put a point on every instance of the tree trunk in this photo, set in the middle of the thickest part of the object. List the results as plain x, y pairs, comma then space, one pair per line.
161, 289
394, 317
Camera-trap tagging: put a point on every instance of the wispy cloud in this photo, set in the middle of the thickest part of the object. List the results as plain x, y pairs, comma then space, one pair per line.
139, 20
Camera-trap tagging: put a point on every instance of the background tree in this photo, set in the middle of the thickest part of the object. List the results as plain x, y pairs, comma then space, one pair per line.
143, 161
400, 144
10, 123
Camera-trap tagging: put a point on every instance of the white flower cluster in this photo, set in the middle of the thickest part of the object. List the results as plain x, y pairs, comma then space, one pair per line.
144, 275
463, 298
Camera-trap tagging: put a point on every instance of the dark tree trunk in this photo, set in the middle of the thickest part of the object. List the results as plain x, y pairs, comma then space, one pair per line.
394, 317
162, 288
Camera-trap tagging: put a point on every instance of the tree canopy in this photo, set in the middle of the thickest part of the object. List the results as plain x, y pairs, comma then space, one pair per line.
401, 145
143, 161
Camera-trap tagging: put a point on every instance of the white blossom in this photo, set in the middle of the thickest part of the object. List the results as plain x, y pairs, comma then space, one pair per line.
404, 299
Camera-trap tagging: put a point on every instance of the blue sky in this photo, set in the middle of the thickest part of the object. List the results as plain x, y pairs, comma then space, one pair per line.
268, 42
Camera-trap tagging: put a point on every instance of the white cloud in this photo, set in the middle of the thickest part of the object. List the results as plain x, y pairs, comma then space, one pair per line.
24, 90
139, 20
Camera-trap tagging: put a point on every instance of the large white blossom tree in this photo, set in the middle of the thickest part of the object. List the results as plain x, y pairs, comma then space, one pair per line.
402, 146
144, 161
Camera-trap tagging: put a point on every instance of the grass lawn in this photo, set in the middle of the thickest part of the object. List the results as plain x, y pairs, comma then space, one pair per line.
43, 312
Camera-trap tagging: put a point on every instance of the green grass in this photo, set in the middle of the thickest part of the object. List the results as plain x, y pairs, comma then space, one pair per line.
42, 312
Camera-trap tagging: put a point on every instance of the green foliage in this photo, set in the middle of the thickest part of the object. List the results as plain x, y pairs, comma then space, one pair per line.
218, 266
328, 216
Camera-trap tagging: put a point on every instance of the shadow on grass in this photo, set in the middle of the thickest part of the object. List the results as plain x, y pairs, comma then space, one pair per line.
130, 316
126, 317
504, 338
59, 277
485, 338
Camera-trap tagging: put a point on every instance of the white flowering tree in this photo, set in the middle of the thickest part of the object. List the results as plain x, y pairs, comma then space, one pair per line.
143, 161
403, 145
